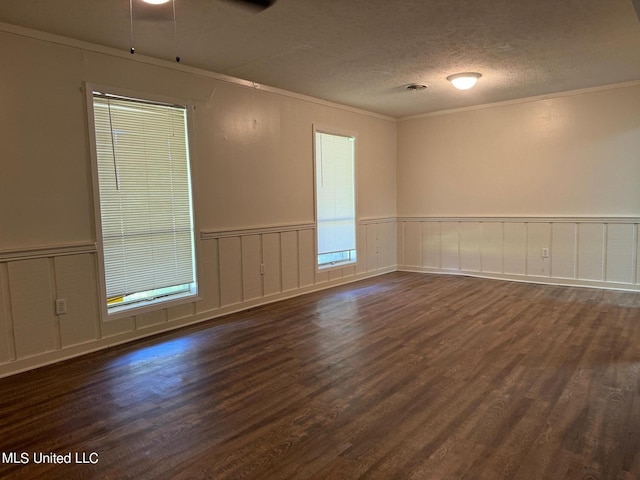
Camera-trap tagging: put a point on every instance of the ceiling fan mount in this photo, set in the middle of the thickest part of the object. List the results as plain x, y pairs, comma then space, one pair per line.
257, 5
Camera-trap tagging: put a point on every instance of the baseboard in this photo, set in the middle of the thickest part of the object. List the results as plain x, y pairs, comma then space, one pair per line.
564, 282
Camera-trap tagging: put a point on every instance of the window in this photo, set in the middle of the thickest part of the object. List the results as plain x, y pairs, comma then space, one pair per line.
335, 199
144, 220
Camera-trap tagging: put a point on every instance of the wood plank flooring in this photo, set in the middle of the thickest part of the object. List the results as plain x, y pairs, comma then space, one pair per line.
404, 376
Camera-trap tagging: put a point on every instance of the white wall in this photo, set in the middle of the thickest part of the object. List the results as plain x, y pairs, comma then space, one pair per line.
253, 173
483, 191
574, 155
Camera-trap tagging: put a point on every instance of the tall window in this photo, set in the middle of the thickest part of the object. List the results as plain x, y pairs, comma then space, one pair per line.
335, 199
145, 210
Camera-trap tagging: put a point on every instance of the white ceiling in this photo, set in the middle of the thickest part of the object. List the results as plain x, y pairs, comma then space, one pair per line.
363, 53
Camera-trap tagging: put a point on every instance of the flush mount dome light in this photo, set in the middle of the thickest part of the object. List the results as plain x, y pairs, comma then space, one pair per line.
464, 81
156, 2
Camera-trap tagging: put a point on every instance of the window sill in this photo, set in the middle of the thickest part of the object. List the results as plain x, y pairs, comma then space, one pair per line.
126, 311
335, 266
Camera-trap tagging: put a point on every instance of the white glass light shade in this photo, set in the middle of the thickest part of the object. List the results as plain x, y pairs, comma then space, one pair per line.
156, 2
464, 81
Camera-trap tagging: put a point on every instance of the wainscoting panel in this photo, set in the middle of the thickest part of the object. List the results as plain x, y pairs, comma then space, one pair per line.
289, 252
371, 247
413, 243
450, 246
251, 259
564, 237
114, 328
492, 247
431, 245
32, 307
209, 276
150, 319
470, 246
538, 237
76, 279
271, 258
378, 238
636, 237
288, 256
591, 250
230, 260
362, 248
598, 252
306, 259
620, 254
387, 244
514, 260
230, 275
6, 332
179, 312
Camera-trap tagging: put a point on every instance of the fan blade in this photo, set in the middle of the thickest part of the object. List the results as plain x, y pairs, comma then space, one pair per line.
254, 4
636, 5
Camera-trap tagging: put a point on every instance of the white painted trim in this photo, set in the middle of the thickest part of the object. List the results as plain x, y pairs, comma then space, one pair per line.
241, 232
517, 101
375, 220
569, 282
47, 251
126, 55
532, 219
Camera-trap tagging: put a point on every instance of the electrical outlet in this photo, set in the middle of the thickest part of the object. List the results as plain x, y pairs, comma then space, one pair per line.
61, 306
545, 253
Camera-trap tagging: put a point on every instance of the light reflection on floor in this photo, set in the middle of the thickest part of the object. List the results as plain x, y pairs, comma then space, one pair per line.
153, 374
153, 353
154, 377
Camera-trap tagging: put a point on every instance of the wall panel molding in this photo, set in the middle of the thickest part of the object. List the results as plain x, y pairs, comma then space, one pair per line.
48, 251
210, 234
372, 220
599, 252
533, 219
240, 269
249, 267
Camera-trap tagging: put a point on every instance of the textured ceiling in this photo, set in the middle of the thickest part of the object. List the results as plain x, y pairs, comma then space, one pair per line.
364, 53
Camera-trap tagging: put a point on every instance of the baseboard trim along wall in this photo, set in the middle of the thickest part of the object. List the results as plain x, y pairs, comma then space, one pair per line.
601, 252
240, 269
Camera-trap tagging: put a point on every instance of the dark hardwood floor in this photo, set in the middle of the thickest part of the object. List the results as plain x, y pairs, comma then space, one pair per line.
406, 376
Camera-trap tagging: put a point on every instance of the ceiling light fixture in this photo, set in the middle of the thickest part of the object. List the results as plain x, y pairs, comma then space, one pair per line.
156, 2
464, 81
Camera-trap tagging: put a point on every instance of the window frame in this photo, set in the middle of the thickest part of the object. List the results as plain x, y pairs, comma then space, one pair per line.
131, 310
318, 128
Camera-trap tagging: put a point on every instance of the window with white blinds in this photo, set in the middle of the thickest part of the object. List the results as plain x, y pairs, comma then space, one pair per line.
335, 199
145, 204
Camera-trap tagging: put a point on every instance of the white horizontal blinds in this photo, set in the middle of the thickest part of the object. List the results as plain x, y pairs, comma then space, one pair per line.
145, 195
335, 197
